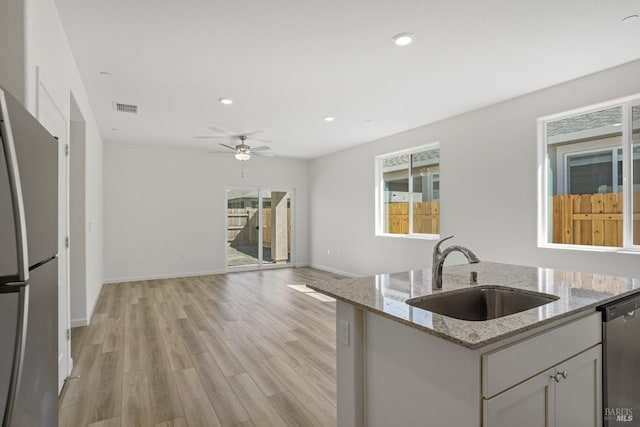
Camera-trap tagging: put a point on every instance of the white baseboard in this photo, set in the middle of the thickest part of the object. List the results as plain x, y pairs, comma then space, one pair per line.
75, 323
161, 276
333, 270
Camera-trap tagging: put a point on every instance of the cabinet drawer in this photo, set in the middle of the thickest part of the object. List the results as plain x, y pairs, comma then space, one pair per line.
508, 366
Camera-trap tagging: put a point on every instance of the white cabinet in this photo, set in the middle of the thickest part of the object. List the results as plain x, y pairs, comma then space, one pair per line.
525, 405
578, 397
393, 375
565, 395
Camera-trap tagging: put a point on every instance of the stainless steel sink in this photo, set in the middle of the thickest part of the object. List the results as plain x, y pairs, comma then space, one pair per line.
482, 302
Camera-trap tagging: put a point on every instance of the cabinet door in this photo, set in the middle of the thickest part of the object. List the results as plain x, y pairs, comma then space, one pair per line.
579, 395
573, 400
529, 404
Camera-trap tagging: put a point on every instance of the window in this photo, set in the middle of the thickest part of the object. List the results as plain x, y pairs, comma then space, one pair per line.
408, 192
593, 173
589, 171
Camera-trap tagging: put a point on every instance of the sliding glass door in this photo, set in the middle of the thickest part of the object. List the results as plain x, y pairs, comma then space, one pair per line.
243, 228
259, 228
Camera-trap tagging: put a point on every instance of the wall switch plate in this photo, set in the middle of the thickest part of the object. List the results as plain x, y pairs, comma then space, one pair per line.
343, 333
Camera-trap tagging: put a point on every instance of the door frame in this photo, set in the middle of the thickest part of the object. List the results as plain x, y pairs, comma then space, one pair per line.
77, 280
260, 265
64, 320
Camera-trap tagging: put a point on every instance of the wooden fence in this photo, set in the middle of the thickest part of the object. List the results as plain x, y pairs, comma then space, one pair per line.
426, 217
242, 226
592, 219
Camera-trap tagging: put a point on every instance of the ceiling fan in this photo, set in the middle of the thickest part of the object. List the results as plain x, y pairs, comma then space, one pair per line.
242, 151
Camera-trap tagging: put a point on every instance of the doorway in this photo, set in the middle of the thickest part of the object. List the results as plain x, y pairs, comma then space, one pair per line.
259, 230
77, 218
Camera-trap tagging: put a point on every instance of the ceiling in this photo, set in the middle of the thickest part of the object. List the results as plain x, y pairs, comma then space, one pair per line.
287, 64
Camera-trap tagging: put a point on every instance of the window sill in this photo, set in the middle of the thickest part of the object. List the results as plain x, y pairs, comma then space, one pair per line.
581, 248
410, 236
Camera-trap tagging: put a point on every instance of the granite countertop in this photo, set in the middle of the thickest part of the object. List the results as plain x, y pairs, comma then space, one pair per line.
385, 294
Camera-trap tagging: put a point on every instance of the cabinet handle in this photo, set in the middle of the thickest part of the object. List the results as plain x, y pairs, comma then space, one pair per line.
559, 375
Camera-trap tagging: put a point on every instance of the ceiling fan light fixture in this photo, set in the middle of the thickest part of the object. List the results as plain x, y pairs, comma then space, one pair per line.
242, 156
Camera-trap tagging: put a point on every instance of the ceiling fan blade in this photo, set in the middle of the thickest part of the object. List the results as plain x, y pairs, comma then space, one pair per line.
222, 131
265, 141
261, 148
211, 137
228, 146
250, 133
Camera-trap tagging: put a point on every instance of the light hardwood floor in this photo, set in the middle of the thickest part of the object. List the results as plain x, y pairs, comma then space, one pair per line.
238, 349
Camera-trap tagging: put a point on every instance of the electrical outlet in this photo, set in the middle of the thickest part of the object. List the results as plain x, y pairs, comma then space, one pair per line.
344, 332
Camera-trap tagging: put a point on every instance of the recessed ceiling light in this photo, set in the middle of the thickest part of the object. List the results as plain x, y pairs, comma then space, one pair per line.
403, 39
226, 101
329, 119
105, 73
630, 19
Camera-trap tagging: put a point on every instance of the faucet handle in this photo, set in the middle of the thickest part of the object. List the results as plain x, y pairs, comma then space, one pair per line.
436, 248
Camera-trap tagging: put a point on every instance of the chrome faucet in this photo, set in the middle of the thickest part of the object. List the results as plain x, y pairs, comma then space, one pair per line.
439, 257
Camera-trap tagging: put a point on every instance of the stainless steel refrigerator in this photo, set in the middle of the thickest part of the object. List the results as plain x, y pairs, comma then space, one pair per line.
28, 269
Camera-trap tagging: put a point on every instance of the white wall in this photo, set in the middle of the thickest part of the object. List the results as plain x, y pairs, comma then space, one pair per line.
12, 47
49, 59
488, 188
165, 210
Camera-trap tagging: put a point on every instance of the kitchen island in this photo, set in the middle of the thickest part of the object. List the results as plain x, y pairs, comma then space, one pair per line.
402, 365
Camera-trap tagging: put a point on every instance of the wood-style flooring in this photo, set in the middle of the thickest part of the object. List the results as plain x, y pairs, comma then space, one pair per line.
237, 349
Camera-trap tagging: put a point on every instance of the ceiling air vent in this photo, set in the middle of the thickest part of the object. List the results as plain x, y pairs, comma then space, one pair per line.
125, 108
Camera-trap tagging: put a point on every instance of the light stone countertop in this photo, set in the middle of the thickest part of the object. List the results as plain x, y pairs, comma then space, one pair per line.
385, 294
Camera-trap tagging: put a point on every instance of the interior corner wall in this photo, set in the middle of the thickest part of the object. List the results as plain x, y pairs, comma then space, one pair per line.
49, 59
165, 211
488, 188
12, 47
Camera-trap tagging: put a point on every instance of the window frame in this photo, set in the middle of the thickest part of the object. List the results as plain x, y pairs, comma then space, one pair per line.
379, 192
543, 227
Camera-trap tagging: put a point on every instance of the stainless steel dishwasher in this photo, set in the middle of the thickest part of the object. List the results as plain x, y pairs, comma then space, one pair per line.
621, 362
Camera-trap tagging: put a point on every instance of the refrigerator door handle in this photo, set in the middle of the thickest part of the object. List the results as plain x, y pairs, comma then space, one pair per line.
18, 353
16, 190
